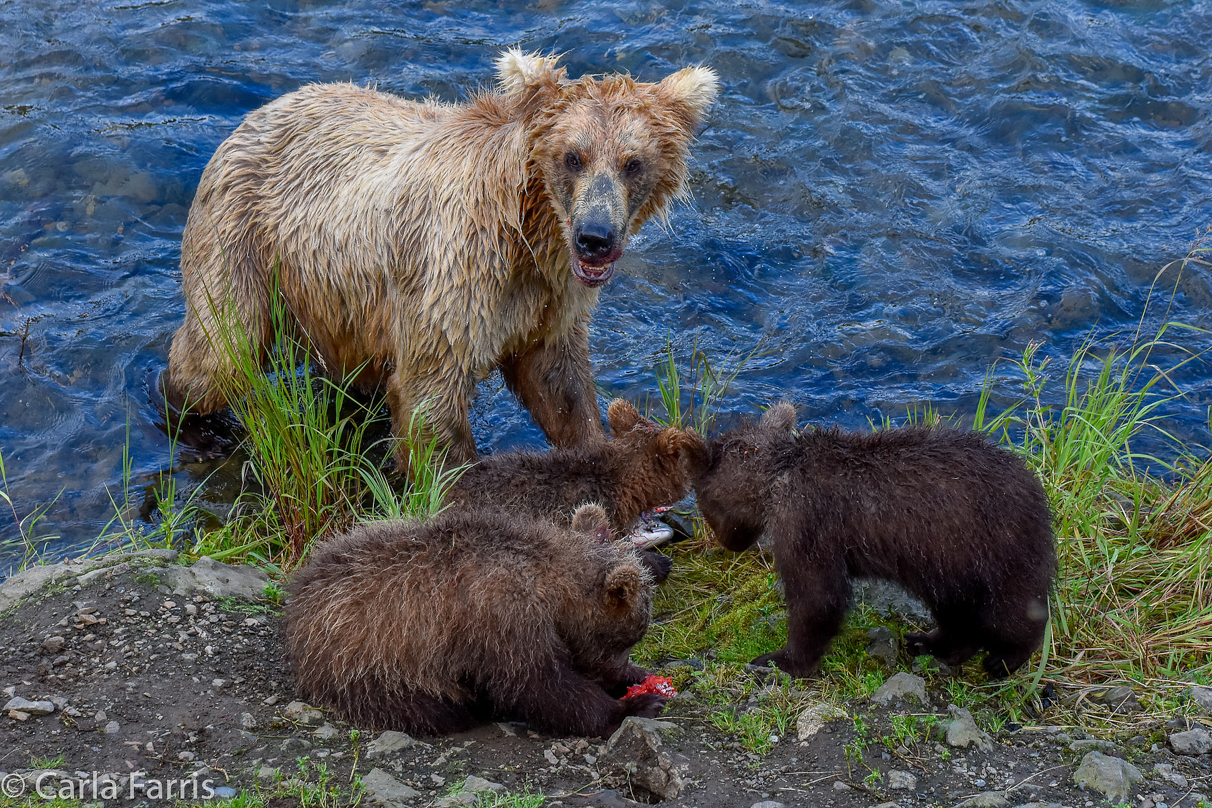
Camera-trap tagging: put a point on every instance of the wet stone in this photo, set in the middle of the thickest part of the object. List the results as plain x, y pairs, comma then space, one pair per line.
1191, 742
1110, 776
901, 687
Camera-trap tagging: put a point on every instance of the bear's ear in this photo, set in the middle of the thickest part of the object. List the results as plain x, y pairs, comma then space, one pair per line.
692, 91
518, 71
779, 418
592, 519
675, 441
622, 416
623, 585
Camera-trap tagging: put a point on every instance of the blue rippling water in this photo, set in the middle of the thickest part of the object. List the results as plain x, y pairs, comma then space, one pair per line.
889, 196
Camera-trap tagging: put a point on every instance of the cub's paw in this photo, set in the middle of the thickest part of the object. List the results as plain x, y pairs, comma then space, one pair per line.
660, 566
920, 644
647, 705
787, 664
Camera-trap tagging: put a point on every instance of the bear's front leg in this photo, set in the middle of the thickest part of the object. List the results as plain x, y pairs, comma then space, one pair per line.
428, 406
554, 381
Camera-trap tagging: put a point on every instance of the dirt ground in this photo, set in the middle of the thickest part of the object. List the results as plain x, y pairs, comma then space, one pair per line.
151, 688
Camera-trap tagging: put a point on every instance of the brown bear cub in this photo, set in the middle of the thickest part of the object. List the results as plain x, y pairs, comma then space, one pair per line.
642, 467
956, 521
433, 627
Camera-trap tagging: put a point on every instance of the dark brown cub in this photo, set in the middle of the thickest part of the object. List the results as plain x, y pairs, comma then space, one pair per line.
955, 520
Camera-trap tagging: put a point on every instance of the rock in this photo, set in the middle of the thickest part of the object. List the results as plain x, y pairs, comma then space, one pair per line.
901, 687
883, 647
248, 721
477, 784
963, 732
888, 805
459, 800
1087, 744
901, 781
1202, 696
814, 718
225, 793
30, 707
53, 645
634, 758
768, 804
986, 799
1110, 776
112, 728
1121, 699
302, 713
217, 579
293, 746
1192, 742
384, 789
1165, 771
388, 742
326, 732
888, 599
17, 588
838, 785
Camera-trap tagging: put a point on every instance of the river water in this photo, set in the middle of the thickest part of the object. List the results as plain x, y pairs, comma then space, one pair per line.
889, 197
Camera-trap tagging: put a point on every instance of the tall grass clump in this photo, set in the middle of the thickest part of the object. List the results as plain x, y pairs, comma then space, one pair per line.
691, 398
315, 467
1134, 592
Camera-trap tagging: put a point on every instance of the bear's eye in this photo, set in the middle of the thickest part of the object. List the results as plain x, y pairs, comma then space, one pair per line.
633, 167
573, 161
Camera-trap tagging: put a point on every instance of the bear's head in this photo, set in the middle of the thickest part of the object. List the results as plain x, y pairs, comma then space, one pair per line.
612, 613
733, 475
649, 463
611, 150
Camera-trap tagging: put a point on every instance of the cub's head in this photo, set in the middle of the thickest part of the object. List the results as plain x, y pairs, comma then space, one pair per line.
651, 463
733, 474
613, 611
611, 150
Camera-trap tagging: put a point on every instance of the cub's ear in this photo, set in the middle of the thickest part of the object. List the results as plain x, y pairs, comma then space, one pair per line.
592, 519
690, 91
779, 418
623, 584
674, 441
518, 71
622, 416
695, 454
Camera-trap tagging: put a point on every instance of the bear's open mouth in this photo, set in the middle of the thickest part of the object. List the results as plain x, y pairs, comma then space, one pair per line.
595, 271
591, 275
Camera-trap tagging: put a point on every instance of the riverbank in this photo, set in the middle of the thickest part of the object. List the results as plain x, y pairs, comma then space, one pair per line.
151, 673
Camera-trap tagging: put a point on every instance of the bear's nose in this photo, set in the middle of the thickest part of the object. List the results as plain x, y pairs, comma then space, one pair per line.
594, 240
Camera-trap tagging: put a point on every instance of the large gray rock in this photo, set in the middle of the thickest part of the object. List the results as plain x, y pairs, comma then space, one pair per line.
1110, 776
388, 743
901, 781
962, 731
1202, 696
814, 718
887, 598
901, 687
986, 799
17, 588
216, 579
1191, 742
1121, 699
475, 785
384, 789
31, 707
636, 759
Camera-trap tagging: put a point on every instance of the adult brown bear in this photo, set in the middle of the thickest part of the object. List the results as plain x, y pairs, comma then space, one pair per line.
429, 243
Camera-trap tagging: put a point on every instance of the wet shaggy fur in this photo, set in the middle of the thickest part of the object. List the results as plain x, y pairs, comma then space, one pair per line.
430, 628
643, 466
425, 244
955, 520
